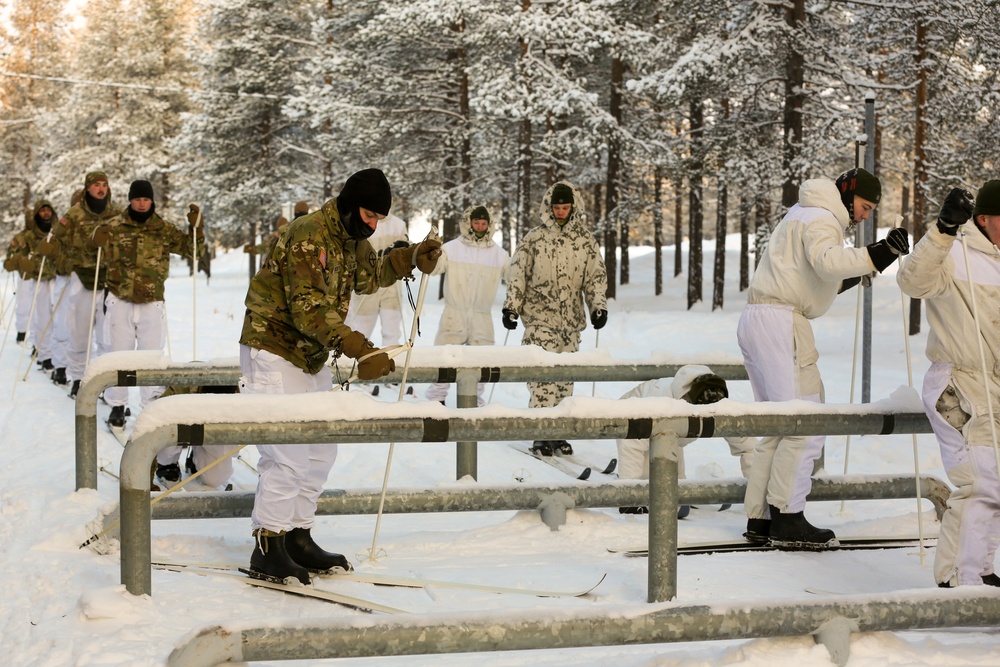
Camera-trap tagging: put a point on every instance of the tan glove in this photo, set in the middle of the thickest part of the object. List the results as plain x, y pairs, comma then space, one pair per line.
102, 235
248, 249
193, 218
25, 265
10, 264
47, 247
355, 346
423, 255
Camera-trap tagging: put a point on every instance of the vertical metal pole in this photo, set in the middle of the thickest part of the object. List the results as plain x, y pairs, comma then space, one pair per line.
663, 502
467, 453
869, 237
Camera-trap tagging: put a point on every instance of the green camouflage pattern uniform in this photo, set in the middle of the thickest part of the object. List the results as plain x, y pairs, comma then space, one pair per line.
26, 241
553, 270
138, 256
73, 234
297, 302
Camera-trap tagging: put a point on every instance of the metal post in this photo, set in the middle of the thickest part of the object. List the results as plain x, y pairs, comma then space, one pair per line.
467, 453
869, 237
662, 574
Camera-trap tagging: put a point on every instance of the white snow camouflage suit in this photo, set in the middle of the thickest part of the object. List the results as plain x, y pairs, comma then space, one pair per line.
553, 270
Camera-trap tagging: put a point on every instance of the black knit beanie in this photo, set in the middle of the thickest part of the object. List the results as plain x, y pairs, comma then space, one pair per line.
368, 188
479, 213
708, 388
140, 190
988, 199
562, 194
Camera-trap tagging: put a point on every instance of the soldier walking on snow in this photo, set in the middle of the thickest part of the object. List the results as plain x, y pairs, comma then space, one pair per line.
556, 267
23, 257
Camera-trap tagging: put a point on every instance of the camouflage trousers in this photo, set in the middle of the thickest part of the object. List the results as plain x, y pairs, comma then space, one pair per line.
548, 394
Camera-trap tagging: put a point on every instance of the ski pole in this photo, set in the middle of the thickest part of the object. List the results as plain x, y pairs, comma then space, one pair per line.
982, 353
421, 293
493, 388
31, 316
854, 375
93, 310
194, 286
597, 345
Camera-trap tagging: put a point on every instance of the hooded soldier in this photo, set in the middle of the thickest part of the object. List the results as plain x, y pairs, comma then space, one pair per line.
36, 275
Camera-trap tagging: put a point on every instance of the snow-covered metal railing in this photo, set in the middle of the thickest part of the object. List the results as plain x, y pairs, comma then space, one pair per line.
831, 621
230, 420
465, 366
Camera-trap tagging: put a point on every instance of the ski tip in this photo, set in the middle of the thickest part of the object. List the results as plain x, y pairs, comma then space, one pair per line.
611, 467
585, 475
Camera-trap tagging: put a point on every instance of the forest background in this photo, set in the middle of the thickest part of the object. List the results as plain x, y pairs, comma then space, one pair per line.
676, 119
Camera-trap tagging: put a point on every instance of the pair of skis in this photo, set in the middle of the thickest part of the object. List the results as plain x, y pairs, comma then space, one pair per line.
570, 464
233, 571
846, 544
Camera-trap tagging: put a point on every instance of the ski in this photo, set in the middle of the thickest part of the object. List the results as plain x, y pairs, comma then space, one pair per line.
348, 601
401, 581
556, 462
120, 434
846, 544
609, 469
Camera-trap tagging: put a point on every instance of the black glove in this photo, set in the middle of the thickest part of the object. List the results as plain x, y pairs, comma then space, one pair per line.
509, 319
898, 240
848, 284
955, 211
882, 254
599, 318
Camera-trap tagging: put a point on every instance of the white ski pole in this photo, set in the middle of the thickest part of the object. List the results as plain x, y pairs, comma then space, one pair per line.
27, 329
854, 374
489, 399
93, 310
982, 352
3, 297
597, 346
194, 287
421, 293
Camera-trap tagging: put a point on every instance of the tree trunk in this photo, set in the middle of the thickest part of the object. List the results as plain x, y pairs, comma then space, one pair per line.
721, 227
658, 230
253, 255
919, 159
523, 147
795, 15
611, 198
678, 229
745, 209
695, 212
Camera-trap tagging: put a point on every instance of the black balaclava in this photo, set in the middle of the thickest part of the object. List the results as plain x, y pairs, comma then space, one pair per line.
141, 190
44, 225
368, 188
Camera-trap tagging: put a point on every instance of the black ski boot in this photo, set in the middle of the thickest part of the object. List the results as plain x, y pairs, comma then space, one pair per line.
303, 550
20, 337
758, 531
117, 417
59, 376
169, 473
270, 560
562, 447
75, 389
542, 448
793, 532
991, 580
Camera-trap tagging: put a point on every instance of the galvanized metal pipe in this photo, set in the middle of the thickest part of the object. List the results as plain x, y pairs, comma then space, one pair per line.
141, 451
195, 374
466, 451
663, 503
618, 625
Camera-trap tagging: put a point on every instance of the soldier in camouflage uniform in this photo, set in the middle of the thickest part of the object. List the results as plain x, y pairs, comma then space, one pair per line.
296, 306
72, 242
23, 257
137, 246
60, 319
556, 267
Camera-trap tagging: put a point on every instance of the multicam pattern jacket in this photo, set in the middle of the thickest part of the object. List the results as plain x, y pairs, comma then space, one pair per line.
138, 256
73, 233
26, 241
297, 302
554, 269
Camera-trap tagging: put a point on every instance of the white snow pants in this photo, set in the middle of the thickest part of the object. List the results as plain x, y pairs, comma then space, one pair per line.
60, 321
40, 318
133, 326
633, 456
780, 356
84, 309
22, 309
291, 476
970, 528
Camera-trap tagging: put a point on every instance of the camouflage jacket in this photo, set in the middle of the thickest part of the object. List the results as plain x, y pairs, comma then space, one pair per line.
297, 302
553, 269
76, 251
26, 241
138, 256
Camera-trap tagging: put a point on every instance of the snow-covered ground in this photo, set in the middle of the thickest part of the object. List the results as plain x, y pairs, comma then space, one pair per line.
65, 605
